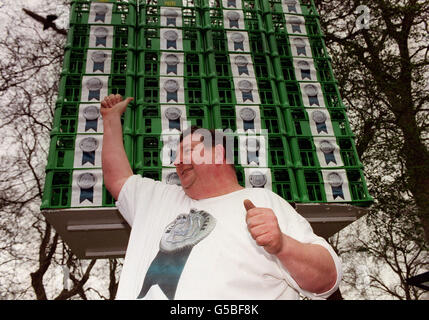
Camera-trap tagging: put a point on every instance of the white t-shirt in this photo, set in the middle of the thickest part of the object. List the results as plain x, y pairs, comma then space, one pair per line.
226, 264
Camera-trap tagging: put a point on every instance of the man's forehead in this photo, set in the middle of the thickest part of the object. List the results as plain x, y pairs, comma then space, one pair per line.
193, 140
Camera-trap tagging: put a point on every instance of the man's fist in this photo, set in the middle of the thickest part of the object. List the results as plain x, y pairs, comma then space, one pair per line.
114, 104
263, 226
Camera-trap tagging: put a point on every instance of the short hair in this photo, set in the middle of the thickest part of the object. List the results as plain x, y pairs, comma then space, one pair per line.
213, 134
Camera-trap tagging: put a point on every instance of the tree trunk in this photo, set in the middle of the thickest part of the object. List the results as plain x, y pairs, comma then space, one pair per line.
416, 157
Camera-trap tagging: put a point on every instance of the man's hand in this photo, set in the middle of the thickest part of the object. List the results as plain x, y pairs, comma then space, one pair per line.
264, 228
310, 265
114, 104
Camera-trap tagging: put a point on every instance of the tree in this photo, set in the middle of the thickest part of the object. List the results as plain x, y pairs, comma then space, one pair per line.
382, 73
32, 253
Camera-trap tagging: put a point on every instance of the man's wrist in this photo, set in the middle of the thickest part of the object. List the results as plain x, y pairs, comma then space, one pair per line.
112, 120
111, 116
283, 253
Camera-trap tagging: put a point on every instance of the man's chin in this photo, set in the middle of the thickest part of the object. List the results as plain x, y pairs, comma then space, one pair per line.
187, 183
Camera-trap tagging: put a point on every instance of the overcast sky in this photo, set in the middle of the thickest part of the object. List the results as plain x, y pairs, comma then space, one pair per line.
10, 8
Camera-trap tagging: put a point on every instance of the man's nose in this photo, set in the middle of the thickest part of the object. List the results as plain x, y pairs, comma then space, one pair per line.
178, 160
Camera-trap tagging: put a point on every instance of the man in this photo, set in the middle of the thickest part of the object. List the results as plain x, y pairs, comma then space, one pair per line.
210, 238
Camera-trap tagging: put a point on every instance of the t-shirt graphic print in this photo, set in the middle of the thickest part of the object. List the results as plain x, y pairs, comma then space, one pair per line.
176, 244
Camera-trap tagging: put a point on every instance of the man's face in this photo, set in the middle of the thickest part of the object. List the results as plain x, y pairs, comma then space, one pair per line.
193, 162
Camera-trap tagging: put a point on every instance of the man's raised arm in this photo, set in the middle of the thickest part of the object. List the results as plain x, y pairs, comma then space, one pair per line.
116, 168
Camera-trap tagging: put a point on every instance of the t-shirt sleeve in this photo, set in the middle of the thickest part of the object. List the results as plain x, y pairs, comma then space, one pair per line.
296, 226
136, 189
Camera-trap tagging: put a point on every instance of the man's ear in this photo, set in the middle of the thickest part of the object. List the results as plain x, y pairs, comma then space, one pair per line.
219, 154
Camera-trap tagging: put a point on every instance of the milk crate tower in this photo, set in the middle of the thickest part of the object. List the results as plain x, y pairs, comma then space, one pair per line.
99, 59
171, 83
258, 68
307, 154
325, 160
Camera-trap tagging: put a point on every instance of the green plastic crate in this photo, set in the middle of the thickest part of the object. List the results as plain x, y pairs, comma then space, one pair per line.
190, 64
218, 19
258, 43
284, 184
62, 150
70, 89
280, 44
148, 117
300, 122
217, 41
122, 61
263, 67
273, 151
192, 89
122, 37
222, 65
223, 91
258, 66
322, 67
279, 154
225, 116
304, 152
67, 116
281, 181
123, 13
153, 38
251, 5
150, 15
310, 25
148, 151
331, 95
58, 191
313, 189
305, 8
169, 3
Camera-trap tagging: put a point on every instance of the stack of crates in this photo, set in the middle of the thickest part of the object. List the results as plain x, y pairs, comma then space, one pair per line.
99, 60
171, 85
325, 160
243, 94
257, 67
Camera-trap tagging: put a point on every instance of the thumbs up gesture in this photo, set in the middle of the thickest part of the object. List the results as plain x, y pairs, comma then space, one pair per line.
114, 104
263, 226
